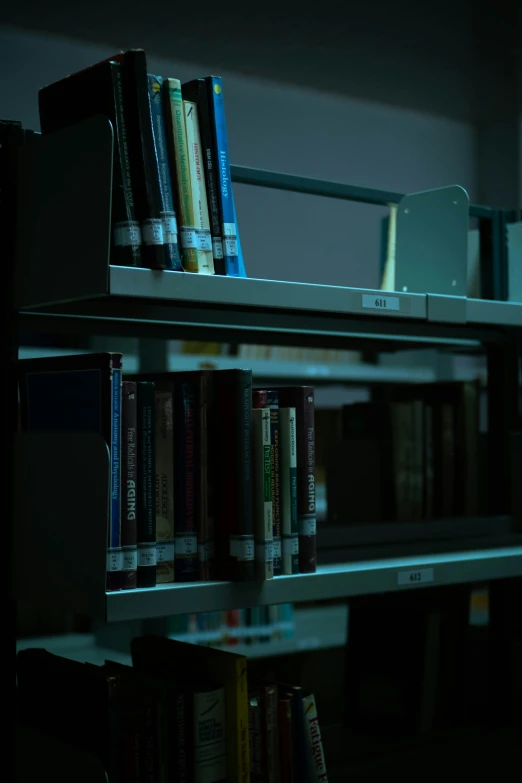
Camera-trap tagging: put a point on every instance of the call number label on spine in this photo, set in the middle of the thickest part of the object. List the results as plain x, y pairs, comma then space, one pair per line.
383, 303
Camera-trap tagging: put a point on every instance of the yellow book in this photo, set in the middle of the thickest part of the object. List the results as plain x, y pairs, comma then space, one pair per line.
188, 662
201, 237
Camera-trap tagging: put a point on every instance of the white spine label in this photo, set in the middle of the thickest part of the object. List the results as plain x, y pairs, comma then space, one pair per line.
291, 545
229, 230
376, 302
308, 526
189, 240
242, 547
230, 247
114, 559
186, 544
130, 558
170, 229
127, 234
165, 550
217, 248
419, 576
146, 555
203, 239
152, 232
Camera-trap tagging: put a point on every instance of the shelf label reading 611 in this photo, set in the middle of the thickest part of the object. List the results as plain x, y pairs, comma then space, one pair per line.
373, 302
415, 577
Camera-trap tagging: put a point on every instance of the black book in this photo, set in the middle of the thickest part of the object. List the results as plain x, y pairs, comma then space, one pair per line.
98, 90
146, 484
186, 468
197, 92
144, 160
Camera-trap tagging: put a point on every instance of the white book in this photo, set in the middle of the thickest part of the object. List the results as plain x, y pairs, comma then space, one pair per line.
201, 238
288, 491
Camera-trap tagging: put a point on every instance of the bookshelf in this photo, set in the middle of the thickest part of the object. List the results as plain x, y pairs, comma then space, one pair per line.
62, 481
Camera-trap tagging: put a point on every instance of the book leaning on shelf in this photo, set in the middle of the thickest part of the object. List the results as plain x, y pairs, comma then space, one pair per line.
170, 152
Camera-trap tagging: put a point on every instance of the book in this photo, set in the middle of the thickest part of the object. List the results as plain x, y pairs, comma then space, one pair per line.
185, 481
255, 735
159, 136
234, 487
199, 236
209, 736
288, 488
316, 763
197, 92
227, 669
286, 752
80, 394
302, 399
99, 90
275, 477
164, 487
225, 196
144, 161
264, 552
271, 733
146, 484
129, 484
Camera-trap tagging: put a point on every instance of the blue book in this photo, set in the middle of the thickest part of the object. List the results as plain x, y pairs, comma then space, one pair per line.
240, 259
167, 211
80, 394
225, 195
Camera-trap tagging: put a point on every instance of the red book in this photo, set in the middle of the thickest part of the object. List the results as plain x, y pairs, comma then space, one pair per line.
302, 399
286, 751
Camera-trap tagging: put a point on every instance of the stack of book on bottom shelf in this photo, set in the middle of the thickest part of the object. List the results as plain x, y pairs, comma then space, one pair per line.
180, 713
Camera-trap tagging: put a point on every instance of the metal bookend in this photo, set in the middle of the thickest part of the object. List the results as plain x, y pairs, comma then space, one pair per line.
64, 215
432, 242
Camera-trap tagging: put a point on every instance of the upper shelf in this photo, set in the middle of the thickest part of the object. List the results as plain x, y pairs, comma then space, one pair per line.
251, 310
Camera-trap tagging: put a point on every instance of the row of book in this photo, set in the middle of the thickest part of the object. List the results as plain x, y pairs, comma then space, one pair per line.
181, 713
210, 478
414, 454
171, 162
255, 625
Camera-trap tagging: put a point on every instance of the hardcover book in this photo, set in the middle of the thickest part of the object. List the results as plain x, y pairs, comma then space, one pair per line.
80, 394
164, 487
264, 551
146, 484
129, 484
200, 234
186, 453
288, 484
302, 399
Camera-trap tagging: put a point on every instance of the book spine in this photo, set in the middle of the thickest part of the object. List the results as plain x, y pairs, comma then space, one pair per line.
305, 440
262, 493
146, 485
182, 740
209, 732
238, 766
428, 462
285, 741
114, 554
197, 91
240, 259
164, 488
185, 478
206, 490
143, 159
315, 754
235, 486
200, 237
179, 156
225, 198
255, 734
289, 520
271, 732
167, 211
275, 477
126, 230
129, 468
404, 458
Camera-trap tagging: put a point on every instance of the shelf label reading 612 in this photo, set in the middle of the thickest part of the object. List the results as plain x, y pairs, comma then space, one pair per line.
373, 302
415, 577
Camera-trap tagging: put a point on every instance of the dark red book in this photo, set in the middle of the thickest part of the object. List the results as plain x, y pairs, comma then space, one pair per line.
302, 399
129, 484
286, 751
259, 398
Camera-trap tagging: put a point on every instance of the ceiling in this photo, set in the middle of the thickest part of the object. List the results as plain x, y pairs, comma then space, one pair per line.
460, 59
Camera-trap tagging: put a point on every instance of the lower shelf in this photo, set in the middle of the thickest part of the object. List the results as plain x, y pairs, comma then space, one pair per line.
332, 581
